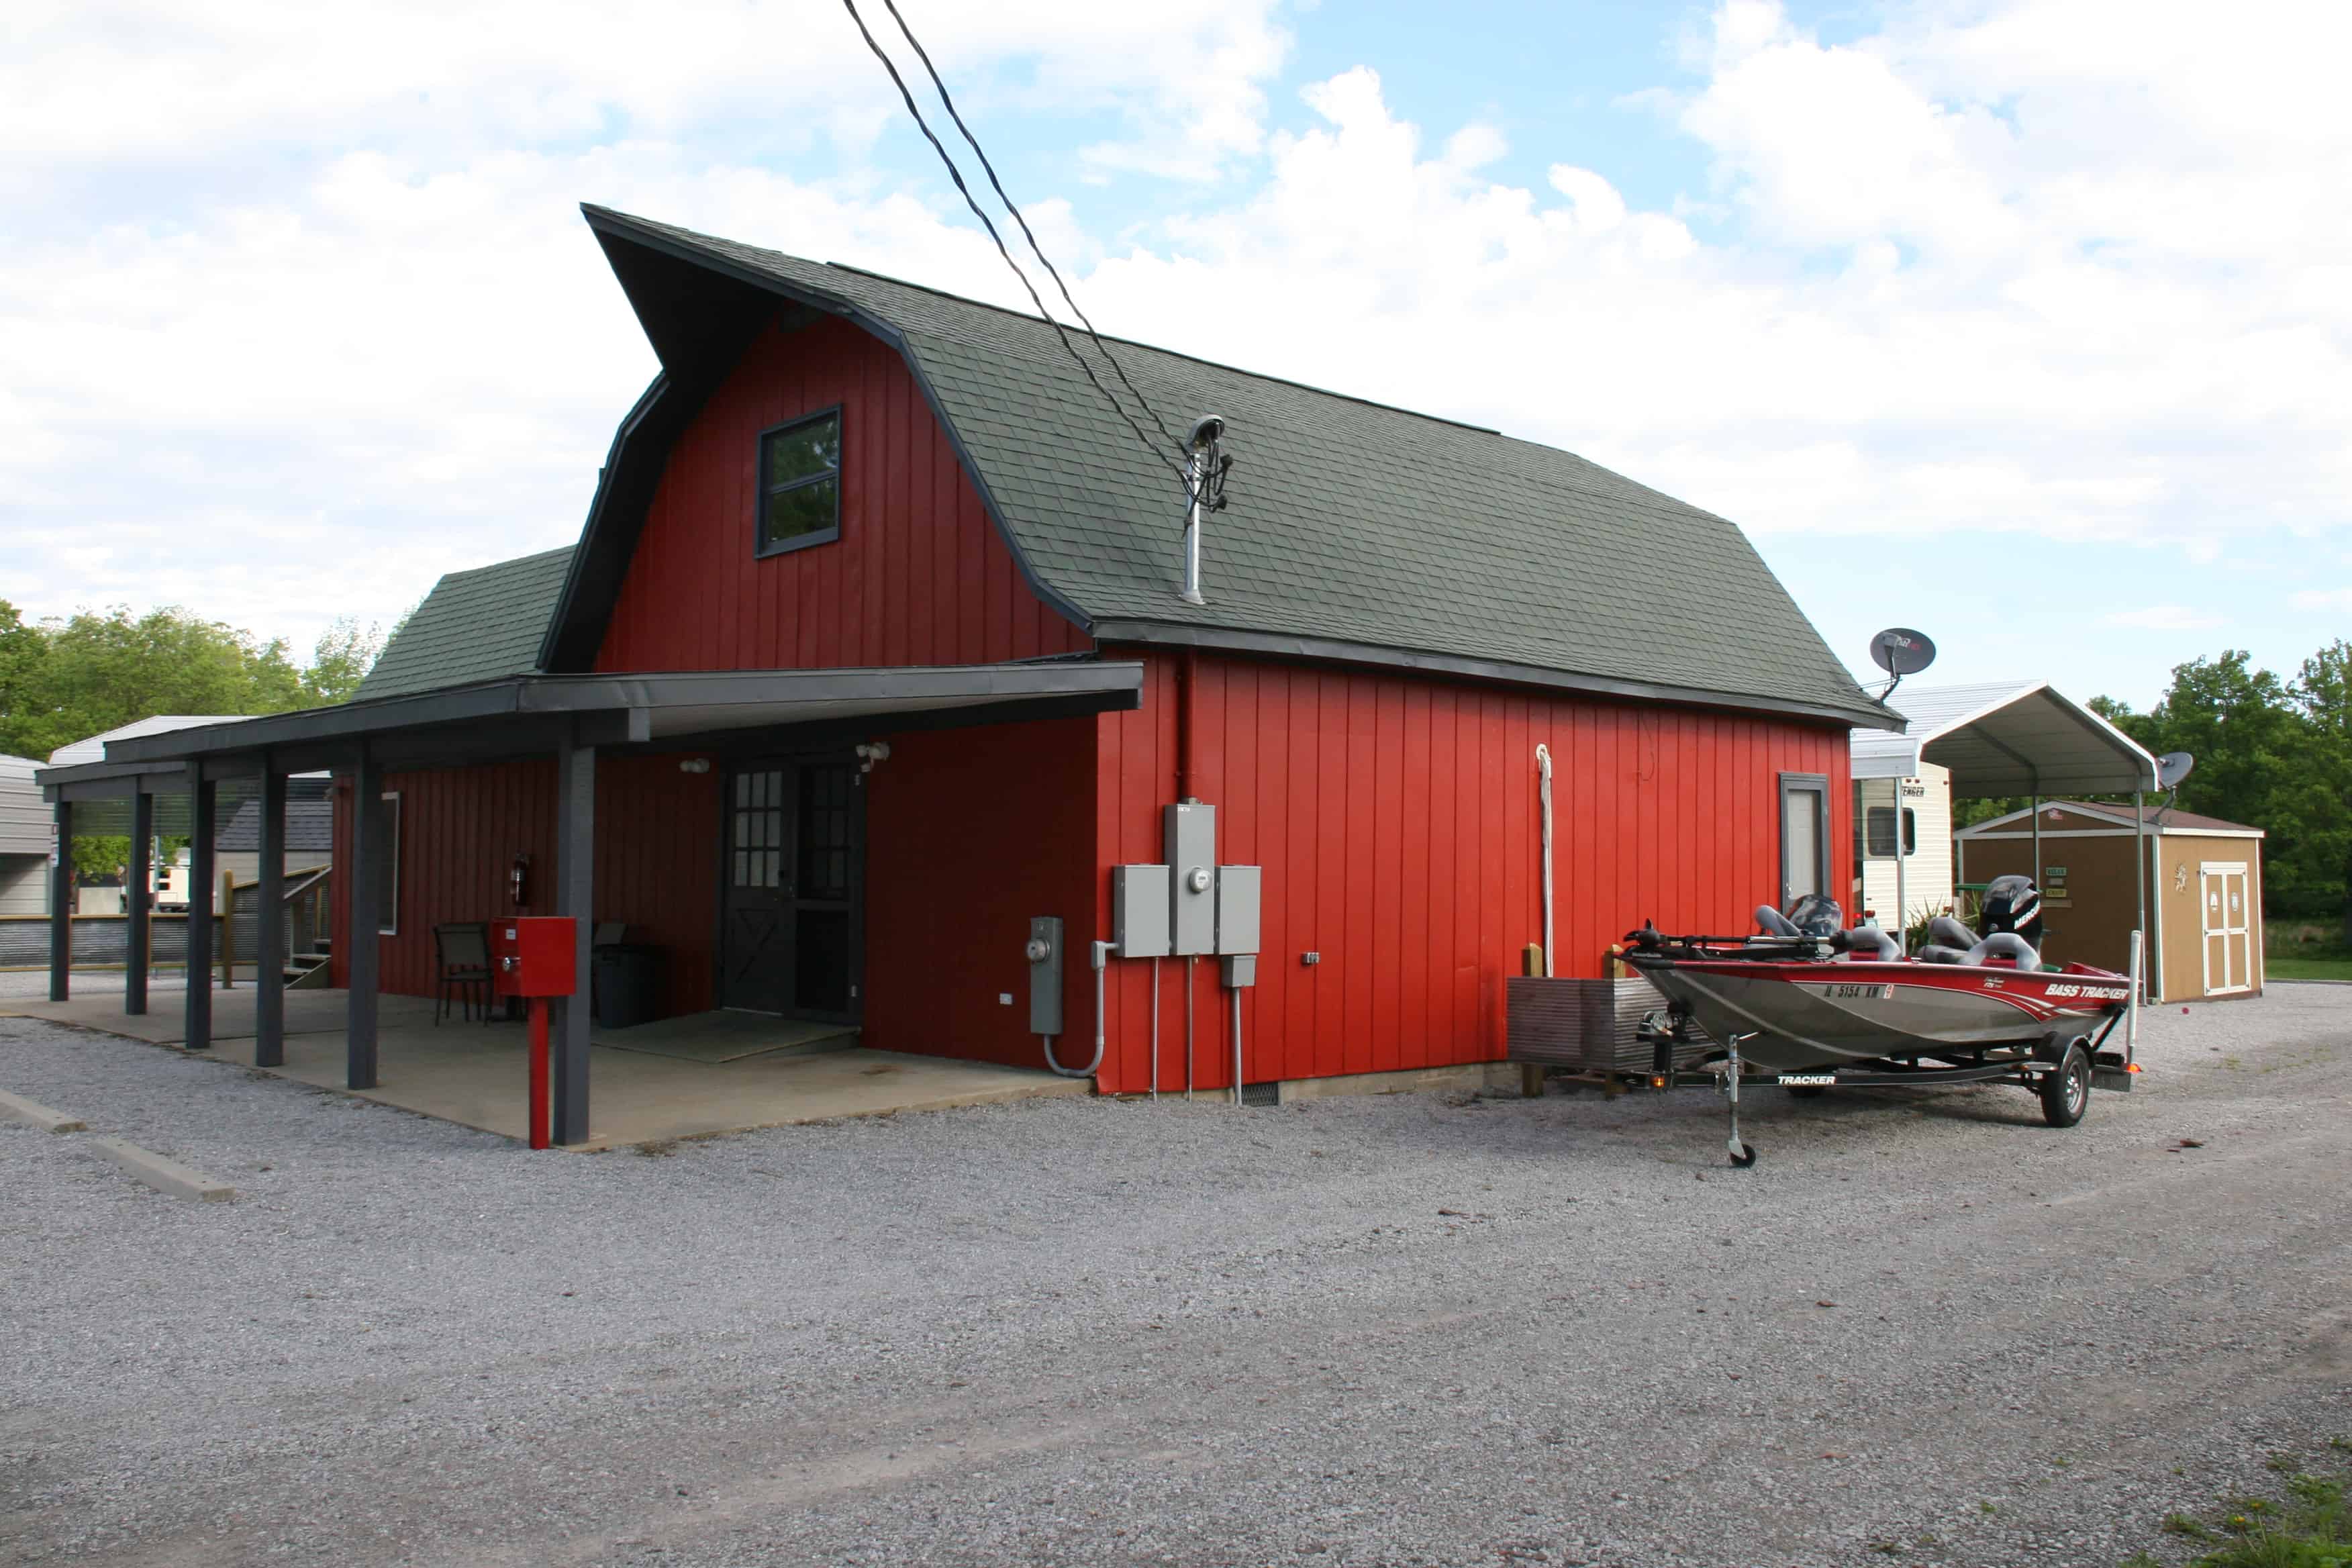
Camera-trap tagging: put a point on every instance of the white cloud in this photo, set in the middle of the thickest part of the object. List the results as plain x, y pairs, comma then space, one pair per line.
2165, 619
311, 318
2322, 599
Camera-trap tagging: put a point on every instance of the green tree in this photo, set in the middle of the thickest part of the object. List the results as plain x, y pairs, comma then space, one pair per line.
2318, 786
344, 655
95, 672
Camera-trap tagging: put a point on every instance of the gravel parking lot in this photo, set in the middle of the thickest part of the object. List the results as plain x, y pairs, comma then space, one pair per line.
1410, 1330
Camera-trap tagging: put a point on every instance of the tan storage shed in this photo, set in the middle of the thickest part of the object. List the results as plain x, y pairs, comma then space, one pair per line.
2204, 890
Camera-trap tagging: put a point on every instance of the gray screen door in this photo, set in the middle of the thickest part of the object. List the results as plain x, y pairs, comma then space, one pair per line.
791, 909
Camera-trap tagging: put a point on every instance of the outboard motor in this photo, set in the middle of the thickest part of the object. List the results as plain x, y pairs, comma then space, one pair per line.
2013, 903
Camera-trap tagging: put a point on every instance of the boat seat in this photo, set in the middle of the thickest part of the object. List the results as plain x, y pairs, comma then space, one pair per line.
1946, 931
2004, 944
1940, 953
1868, 944
1772, 922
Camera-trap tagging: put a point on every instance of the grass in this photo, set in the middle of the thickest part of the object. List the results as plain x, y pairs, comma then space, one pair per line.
2311, 1527
2306, 951
2333, 967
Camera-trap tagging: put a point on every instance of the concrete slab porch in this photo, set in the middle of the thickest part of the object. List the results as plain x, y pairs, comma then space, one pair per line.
479, 1076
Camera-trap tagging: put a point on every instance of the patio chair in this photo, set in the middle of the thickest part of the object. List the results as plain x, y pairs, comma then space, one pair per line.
461, 962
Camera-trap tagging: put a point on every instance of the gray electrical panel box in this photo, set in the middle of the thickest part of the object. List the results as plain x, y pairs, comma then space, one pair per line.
1139, 910
1045, 956
1237, 907
1189, 831
1238, 971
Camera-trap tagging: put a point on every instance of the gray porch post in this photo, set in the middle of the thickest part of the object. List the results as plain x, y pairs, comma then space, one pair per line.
269, 923
200, 909
138, 900
364, 910
576, 892
61, 908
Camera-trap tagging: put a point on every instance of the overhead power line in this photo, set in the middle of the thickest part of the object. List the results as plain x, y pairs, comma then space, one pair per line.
1035, 249
956, 174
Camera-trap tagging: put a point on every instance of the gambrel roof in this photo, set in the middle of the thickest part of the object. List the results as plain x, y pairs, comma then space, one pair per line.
1358, 531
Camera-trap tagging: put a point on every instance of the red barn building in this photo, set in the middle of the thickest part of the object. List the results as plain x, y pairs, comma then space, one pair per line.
875, 648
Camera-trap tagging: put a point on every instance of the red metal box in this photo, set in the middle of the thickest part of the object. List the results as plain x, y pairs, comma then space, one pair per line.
535, 955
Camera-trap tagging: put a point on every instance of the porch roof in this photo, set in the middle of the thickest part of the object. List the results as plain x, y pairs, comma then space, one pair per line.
527, 714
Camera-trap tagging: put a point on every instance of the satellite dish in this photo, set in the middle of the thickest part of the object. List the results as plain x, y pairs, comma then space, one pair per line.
2171, 768
1900, 651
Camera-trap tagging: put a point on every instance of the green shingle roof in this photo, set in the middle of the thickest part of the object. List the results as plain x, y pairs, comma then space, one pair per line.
474, 626
1351, 523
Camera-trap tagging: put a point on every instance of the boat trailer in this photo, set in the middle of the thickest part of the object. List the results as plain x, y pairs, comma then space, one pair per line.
2027, 1067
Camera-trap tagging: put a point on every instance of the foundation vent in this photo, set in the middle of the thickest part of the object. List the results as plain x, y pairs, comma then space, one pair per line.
1262, 1093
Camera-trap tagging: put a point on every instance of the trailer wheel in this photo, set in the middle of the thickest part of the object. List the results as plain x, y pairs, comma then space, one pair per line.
2066, 1093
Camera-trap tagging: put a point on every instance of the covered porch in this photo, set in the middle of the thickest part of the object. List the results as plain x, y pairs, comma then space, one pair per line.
564, 744
685, 1077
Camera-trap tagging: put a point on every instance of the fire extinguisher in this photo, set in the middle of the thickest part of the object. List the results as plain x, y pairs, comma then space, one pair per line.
519, 881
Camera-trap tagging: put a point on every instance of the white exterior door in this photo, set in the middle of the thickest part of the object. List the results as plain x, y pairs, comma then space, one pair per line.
2228, 953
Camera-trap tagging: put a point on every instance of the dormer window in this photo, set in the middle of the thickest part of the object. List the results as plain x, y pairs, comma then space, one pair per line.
800, 483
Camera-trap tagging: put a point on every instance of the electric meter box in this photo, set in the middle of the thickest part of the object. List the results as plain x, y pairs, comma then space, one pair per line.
1189, 831
1045, 956
1138, 911
535, 955
1237, 907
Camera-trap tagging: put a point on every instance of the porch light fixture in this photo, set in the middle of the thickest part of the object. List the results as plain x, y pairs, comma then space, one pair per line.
871, 753
694, 765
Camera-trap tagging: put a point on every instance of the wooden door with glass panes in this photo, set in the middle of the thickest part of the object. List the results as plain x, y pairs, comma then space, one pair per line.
791, 922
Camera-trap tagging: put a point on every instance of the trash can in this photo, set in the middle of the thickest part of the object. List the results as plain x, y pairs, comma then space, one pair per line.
627, 984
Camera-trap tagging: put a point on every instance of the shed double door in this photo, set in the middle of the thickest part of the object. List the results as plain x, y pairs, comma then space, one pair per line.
792, 918
2229, 940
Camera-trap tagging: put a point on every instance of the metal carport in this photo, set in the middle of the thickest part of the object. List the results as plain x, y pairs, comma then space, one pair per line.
2008, 738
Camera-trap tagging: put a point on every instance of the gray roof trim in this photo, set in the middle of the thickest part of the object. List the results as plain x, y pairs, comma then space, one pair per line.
635, 695
614, 457
1326, 650
622, 226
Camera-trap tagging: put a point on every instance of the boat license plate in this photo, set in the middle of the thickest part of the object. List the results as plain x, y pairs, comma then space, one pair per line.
1847, 990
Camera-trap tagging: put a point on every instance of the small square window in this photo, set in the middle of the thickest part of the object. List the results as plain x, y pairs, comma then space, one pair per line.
800, 484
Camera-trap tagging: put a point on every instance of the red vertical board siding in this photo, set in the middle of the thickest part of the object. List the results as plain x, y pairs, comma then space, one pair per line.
920, 574
461, 829
1398, 822
969, 833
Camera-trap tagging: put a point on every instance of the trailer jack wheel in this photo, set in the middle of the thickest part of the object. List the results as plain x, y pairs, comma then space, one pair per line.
1742, 1155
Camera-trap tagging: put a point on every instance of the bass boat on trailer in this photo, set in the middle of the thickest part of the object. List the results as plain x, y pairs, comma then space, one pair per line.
1810, 1004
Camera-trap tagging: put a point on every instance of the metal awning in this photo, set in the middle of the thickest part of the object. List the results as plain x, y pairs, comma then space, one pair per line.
528, 715
2007, 738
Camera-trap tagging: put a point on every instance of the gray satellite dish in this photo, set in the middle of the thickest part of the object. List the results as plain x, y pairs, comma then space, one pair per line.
1900, 651
2171, 768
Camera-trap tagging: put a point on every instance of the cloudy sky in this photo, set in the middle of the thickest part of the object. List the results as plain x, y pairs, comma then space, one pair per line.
2029, 324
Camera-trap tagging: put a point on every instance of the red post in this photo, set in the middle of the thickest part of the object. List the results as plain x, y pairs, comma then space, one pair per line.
539, 1078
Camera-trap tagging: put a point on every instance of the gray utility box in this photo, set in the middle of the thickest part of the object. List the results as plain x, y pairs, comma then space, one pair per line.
1238, 890
1585, 1025
1045, 956
1189, 831
1139, 910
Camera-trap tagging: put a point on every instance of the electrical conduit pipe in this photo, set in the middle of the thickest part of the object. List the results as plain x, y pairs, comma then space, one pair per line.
1102, 952
1543, 764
